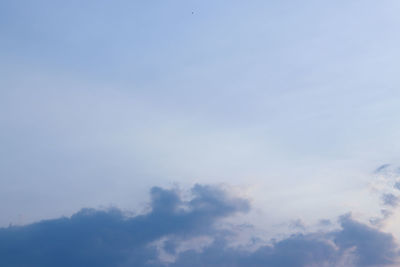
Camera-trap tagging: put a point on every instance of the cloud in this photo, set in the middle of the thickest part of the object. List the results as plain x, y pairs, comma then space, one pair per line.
382, 168
386, 184
397, 185
325, 222
390, 200
370, 246
355, 244
110, 238
297, 224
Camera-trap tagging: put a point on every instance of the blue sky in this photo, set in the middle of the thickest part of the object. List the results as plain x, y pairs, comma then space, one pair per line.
289, 105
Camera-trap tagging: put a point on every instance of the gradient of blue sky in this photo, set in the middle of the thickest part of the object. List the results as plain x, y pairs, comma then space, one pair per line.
290, 102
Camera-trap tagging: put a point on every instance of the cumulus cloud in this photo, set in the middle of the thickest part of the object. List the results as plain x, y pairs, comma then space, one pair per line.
370, 246
110, 238
355, 244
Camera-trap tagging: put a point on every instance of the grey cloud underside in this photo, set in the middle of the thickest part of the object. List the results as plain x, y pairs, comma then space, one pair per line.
109, 238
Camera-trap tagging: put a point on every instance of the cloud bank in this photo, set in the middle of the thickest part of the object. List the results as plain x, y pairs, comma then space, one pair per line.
111, 238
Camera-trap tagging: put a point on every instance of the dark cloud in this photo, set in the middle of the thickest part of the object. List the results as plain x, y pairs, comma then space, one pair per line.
370, 246
110, 238
390, 200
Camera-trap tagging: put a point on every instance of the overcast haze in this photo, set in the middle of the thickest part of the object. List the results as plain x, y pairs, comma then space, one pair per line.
261, 119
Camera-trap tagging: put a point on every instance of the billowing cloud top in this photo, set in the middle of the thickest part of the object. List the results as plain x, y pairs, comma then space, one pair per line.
111, 238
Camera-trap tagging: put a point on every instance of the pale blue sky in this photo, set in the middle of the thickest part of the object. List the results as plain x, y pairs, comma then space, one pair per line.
293, 102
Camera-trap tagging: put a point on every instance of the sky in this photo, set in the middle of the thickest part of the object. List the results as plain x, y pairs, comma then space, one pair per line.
267, 129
